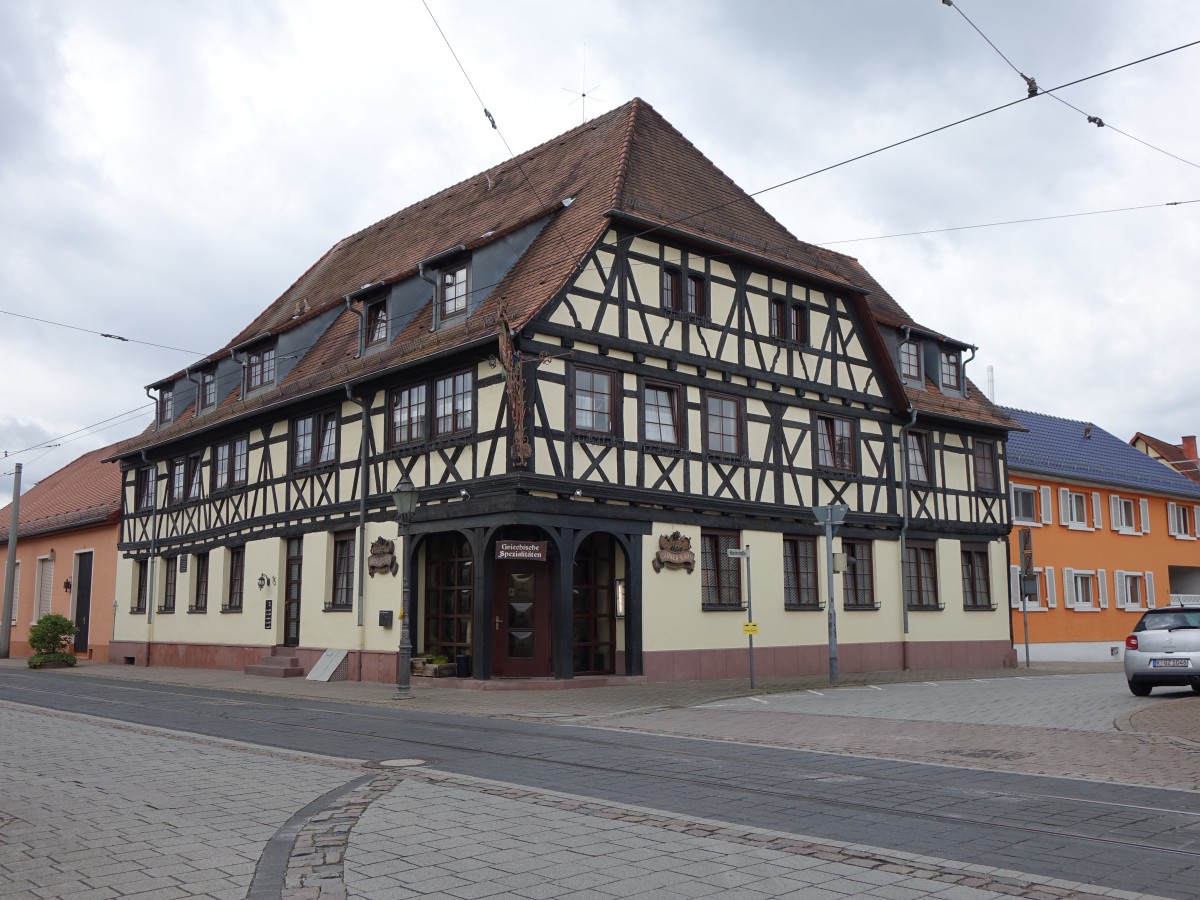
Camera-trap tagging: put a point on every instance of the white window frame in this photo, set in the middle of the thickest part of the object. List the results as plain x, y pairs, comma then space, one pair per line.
1180, 524
1097, 581
43, 588
1121, 523
1029, 489
1047, 597
1121, 582
1067, 509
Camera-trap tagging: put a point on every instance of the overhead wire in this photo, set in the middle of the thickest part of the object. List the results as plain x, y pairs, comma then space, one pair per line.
1032, 87
114, 337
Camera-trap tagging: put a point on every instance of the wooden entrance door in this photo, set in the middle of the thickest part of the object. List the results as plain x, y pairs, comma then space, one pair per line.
521, 620
83, 600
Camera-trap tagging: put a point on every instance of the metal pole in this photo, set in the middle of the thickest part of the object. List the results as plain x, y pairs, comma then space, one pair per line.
749, 615
831, 606
10, 568
404, 656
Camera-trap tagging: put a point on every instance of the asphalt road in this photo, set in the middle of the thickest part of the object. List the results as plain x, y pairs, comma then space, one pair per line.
1123, 836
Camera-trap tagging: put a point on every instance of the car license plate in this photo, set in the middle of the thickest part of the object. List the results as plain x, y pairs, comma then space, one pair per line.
1169, 663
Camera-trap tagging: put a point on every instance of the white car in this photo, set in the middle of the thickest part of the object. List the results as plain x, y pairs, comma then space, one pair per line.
1164, 650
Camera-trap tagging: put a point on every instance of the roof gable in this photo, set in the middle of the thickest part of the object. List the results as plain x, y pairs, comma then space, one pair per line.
85, 492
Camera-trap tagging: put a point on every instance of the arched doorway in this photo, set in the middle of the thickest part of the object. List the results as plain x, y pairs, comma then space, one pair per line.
593, 606
449, 595
522, 637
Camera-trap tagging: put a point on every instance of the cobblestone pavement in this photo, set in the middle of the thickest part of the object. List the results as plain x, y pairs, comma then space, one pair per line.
92, 809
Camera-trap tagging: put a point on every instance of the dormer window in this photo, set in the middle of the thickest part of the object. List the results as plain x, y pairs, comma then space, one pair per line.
208, 389
950, 370
377, 322
454, 291
260, 370
910, 361
166, 405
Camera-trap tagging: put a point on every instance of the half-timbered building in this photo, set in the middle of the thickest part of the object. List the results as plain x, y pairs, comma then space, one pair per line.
602, 365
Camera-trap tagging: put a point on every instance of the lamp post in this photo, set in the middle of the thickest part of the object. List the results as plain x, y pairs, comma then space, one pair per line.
404, 496
831, 516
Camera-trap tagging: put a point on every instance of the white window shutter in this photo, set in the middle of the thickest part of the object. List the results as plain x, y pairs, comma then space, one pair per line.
1097, 516
1114, 512
1064, 506
1102, 583
1051, 590
1047, 512
1195, 520
1171, 519
1120, 589
1150, 589
1014, 586
1069, 588
1145, 505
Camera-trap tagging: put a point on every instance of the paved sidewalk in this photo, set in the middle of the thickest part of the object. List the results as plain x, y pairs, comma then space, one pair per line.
172, 816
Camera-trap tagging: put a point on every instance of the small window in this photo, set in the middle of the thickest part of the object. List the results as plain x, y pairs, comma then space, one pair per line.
1025, 504
376, 322
1181, 522
918, 457
788, 321
697, 296
950, 370
977, 591
195, 471
1124, 517
720, 575
141, 574
200, 599
237, 578
208, 389
314, 440
835, 443
1083, 589
408, 415
1131, 590
144, 488
722, 424
910, 361
229, 461
454, 292
166, 405
1074, 508
660, 411
800, 573
178, 479
920, 575
260, 368
455, 401
171, 564
985, 466
343, 572
672, 290
593, 401
858, 581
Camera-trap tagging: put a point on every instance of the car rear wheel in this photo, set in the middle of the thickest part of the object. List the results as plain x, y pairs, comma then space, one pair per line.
1141, 690
1196, 686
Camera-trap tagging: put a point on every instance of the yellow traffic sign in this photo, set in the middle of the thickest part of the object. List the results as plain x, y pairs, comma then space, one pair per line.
749, 628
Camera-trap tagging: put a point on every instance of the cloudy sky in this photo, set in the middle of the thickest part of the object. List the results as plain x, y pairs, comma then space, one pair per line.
168, 168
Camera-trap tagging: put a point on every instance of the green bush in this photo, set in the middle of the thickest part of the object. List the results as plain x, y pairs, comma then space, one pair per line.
51, 633
51, 659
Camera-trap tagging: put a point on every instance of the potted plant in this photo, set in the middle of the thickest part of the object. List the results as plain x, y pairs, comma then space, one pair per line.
49, 638
436, 666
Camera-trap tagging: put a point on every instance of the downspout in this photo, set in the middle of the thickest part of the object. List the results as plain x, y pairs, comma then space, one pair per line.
151, 575
362, 523
362, 330
157, 408
243, 363
904, 526
974, 350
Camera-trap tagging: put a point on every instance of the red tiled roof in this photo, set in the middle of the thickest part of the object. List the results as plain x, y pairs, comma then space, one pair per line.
630, 162
1172, 454
82, 493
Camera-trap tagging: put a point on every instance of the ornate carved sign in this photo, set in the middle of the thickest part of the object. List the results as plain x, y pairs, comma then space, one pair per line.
382, 558
675, 552
530, 550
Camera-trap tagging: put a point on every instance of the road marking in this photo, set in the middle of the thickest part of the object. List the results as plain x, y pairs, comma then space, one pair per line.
933, 683
818, 693
758, 700
874, 687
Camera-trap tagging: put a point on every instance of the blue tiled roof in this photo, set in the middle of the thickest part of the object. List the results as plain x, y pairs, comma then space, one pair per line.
1058, 447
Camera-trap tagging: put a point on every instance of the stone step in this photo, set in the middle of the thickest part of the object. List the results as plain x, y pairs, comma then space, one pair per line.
276, 667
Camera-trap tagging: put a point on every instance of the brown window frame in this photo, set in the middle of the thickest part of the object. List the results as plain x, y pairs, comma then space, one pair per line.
199, 602
145, 482
918, 441
831, 454
676, 424
951, 369
309, 434
208, 389
342, 596
260, 368
229, 464
166, 405
789, 320
910, 360
920, 576
376, 323
977, 593
195, 476
456, 412
236, 597
416, 427
177, 480
738, 418
141, 585
171, 585
725, 594
453, 292
986, 466
858, 581
605, 397
801, 587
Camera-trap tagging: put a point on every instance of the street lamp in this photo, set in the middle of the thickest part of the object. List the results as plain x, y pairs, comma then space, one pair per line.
831, 517
404, 497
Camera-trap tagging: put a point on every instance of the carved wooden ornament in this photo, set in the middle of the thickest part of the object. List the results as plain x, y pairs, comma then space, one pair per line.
674, 552
382, 558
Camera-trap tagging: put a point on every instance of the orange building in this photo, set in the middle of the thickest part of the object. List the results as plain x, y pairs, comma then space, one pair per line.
1113, 531
66, 552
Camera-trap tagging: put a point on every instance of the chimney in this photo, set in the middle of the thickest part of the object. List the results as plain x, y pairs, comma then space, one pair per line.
1189, 446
